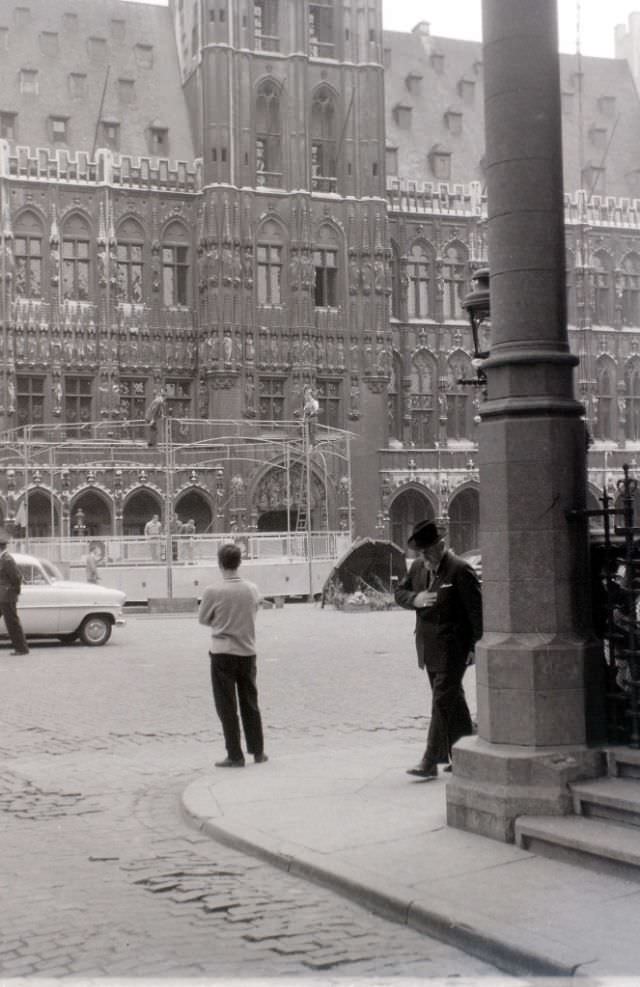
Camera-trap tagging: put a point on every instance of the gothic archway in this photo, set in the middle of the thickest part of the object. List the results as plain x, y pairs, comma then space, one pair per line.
140, 508
43, 515
409, 507
193, 505
464, 520
96, 511
274, 489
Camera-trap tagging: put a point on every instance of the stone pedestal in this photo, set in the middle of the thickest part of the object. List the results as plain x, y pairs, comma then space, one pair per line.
537, 648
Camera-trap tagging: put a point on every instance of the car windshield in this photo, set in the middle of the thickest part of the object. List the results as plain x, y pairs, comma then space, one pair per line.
51, 570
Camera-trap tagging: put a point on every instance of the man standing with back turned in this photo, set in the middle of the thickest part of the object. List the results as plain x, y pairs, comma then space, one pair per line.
230, 611
10, 586
444, 590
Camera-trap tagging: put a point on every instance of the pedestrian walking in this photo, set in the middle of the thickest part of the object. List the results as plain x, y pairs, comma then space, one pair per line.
444, 591
153, 531
94, 555
10, 586
230, 611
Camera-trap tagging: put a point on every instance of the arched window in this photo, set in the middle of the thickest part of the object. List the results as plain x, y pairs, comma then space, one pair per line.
129, 285
633, 401
76, 259
28, 256
606, 401
268, 136
269, 253
394, 399
421, 400
602, 289
175, 266
420, 273
321, 29
396, 284
458, 398
570, 275
453, 277
631, 290
323, 140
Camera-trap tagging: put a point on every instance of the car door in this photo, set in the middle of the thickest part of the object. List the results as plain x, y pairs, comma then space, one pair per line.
38, 607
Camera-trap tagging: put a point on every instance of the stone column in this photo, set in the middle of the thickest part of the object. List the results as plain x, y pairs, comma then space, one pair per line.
536, 649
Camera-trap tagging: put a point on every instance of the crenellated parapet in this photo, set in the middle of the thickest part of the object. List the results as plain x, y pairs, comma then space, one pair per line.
600, 210
439, 198
107, 168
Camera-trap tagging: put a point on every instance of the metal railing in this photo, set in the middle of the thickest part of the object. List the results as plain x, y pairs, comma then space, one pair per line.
188, 549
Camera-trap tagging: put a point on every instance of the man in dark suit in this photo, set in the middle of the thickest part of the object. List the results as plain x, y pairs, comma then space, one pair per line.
444, 591
10, 586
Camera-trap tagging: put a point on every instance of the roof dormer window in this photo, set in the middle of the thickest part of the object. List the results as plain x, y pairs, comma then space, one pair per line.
413, 82
97, 48
127, 91
607, 105
49, 42
21, 16
77, 85
598, 137
402, 115
437, 62
466, 90
110, 133
568, 100
118, 30
453, 122
158, 140
440, 163
8, 128
144, 56
58, 127
321, 29
29, 82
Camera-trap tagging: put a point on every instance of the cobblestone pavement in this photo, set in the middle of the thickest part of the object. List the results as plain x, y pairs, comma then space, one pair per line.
100, 874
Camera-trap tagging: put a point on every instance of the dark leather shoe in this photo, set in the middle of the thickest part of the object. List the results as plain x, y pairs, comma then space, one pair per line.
230, 763
260, 758
423, 770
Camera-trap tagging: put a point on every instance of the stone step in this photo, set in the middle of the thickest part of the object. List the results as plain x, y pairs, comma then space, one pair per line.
594, 843
623, 762
617, 799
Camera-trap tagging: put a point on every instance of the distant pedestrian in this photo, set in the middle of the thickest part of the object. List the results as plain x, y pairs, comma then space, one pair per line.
153, 533
189, 530
230, 611
10, 586
94, 556
444, 591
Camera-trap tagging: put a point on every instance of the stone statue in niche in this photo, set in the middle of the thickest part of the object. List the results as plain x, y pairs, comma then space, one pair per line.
249, 348
294, 270
57, 393
227, 349
340, 349
379, 275
250, 396
237, 265
366, 277
247, 263
227, 264
354, 398
354, 276
213, 258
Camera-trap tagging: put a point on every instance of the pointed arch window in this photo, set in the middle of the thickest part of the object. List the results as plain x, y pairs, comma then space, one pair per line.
604, 418
265, 25
323, 141
601, 289
76, 260
631, 290
268, 136
129, 285
633, 401
28, 257
453, 278
421, 413
321, 29
419, 271
175, 267
458, 398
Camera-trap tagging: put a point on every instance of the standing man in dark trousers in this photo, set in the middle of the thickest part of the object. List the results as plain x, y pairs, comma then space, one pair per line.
230, 611
444, 591
10, 586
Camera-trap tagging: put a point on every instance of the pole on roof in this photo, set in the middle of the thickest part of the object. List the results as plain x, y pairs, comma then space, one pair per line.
97, 130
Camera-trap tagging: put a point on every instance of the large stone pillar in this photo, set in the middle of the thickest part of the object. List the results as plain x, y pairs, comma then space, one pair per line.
531, 661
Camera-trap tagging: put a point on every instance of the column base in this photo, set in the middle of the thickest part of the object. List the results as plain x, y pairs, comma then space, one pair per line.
493, 784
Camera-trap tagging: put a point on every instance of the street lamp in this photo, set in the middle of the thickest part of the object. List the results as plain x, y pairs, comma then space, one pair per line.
478, 306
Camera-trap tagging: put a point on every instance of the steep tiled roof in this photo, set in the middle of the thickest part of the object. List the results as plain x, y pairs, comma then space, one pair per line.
61, 38
603, 133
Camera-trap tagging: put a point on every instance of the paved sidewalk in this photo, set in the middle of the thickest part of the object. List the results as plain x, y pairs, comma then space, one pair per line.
352, 819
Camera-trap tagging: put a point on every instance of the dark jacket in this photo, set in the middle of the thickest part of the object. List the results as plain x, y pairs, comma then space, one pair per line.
447, 631
10, 578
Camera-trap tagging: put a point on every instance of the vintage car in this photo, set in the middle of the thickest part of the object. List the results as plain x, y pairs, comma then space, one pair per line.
50, 606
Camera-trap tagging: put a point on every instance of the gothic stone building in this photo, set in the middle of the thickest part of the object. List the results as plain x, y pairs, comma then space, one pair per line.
230, 200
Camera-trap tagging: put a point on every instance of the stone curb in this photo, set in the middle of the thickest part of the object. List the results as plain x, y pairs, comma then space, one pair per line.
513, 950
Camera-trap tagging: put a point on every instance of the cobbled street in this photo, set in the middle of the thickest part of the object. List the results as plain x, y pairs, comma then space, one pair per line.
102, 876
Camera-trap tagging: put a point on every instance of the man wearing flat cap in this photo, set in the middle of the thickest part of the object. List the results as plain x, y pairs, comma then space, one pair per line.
444, 591
10, 586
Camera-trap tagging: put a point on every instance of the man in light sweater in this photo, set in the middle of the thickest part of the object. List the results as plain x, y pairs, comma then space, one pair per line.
230, 611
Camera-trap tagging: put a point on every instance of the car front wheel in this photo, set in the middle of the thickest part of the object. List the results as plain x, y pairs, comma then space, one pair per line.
95, 630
